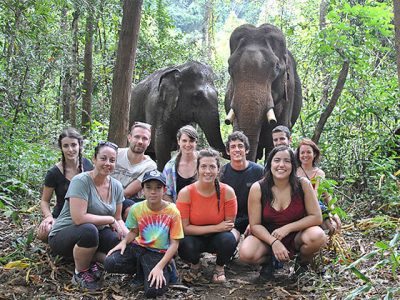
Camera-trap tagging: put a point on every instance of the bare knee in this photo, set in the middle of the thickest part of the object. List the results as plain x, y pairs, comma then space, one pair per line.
251, 251
314, 238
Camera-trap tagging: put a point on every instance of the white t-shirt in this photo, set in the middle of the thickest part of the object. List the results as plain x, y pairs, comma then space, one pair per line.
126, 172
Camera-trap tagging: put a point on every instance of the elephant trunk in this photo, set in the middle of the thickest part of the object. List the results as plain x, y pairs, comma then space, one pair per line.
253, 107
212, 131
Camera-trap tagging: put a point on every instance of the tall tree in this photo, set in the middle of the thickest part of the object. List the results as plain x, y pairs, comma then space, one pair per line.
332, 103
208, 29
88, 67
124, 66
396, 4
74, 66
65, 74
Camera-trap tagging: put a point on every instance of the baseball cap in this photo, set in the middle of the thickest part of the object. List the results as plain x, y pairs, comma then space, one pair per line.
153, 175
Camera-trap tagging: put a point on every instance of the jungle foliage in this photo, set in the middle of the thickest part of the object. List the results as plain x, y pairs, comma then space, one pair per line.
358, 142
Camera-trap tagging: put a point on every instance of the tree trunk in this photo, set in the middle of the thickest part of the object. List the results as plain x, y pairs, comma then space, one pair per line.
396, 4
208, 29
88, 72
66, 74
123, 72
74, 66
332, 103
323, 10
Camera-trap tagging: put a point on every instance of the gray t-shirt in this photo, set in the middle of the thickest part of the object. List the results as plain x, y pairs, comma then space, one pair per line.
82, 186
126, 172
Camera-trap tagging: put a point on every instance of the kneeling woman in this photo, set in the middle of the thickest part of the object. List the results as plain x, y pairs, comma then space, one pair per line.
90, 222
208, 209
284, 216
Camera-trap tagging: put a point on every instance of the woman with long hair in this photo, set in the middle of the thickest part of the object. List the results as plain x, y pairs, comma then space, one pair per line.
308, 155
180, 170
90, 222
284, 217
208, 209
59, 177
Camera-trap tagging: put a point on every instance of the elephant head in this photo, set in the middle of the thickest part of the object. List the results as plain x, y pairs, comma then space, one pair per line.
264, 89
173, 97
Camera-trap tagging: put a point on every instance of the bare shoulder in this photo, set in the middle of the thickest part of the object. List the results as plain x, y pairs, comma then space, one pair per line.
320, 173
305, 183
255, 188
229, 192
184, 195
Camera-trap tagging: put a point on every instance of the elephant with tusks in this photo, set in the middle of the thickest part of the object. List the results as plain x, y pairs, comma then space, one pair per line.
264, 89
173, 97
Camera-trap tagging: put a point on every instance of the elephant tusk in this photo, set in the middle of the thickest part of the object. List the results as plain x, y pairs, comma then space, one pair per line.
271, 116
229, 117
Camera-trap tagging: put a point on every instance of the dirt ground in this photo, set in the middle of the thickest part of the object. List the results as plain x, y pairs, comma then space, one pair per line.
31, 273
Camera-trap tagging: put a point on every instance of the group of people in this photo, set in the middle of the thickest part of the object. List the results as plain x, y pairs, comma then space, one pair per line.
123, 215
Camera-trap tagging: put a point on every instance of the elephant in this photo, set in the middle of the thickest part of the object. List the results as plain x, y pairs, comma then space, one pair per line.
264, 89
173, 97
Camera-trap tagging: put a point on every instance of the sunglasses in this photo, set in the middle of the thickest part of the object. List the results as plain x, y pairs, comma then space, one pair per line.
109, 144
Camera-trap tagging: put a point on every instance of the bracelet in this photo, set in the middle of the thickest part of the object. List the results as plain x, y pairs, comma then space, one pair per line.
49, 215
273, 242
113, 222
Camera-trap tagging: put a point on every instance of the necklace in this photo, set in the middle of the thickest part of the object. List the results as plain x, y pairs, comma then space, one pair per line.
107, 198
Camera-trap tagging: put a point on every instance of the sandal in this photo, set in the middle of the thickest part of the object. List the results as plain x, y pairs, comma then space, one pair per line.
219, 276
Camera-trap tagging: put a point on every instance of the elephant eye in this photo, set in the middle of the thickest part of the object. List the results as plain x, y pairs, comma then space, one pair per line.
277, 68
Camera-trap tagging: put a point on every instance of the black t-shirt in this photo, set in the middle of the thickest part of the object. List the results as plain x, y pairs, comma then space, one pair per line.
55, 179
241, 182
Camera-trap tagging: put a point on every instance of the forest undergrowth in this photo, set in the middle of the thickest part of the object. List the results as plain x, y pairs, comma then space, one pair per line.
361, 262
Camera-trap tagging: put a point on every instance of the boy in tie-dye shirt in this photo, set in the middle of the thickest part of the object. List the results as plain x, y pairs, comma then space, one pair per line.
155, 230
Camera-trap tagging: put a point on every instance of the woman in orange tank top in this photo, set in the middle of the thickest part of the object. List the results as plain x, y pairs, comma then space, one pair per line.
208, 209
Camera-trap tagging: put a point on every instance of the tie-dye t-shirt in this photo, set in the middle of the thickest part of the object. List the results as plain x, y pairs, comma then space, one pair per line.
156, 228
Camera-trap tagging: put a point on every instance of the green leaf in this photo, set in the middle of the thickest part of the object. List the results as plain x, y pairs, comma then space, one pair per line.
382, 245
354, 293
359, 274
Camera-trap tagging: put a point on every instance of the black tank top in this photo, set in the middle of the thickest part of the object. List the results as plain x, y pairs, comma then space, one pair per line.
182, 182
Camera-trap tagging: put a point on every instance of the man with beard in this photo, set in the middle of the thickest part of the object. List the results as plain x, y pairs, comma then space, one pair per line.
132, 164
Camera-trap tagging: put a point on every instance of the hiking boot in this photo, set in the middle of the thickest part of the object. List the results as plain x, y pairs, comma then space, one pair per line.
96, 271
267, 271
85, 280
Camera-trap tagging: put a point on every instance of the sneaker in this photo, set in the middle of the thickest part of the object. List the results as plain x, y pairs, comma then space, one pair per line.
96, 271
85, 280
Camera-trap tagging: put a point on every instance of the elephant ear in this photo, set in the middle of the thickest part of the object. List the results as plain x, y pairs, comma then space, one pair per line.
168, 91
